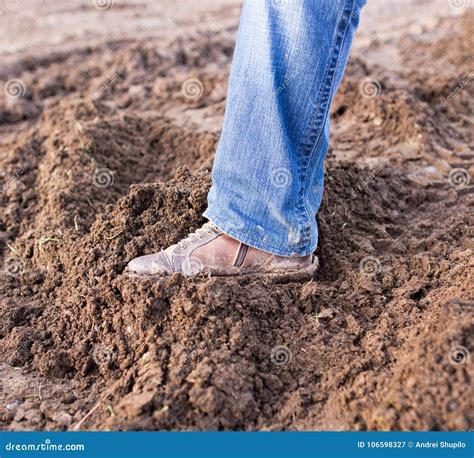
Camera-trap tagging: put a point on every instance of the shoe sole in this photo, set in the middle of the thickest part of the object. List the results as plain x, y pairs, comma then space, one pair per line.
305, 273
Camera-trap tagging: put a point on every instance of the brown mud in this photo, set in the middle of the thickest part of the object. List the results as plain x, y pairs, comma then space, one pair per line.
104, 158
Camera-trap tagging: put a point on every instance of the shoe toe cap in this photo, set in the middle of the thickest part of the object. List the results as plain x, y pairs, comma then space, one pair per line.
153, 264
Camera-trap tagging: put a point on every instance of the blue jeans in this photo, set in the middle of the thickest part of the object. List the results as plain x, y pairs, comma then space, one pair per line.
268, 173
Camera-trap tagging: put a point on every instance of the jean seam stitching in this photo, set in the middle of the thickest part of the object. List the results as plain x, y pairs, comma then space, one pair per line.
316, 126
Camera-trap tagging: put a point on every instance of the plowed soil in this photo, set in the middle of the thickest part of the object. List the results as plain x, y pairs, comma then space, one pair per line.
105, 157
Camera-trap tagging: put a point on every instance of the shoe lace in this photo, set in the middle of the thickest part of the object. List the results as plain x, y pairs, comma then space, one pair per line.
197, 234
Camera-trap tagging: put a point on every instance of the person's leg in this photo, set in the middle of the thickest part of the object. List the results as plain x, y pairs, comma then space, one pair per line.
268, 171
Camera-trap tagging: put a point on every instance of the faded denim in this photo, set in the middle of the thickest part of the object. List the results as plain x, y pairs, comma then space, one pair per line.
268, 173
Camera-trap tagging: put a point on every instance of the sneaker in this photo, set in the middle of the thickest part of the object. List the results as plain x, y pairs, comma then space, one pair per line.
209, 251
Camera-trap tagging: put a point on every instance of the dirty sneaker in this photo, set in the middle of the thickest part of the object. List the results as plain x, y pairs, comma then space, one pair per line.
209, 251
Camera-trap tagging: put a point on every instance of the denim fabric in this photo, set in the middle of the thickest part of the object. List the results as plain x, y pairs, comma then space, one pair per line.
268, 173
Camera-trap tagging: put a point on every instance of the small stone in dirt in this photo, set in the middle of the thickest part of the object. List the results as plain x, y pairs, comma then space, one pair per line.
33, 416
69, 398
138, 403
63, 419
13, 405
49, 408
353, 326
20, 414
326, 314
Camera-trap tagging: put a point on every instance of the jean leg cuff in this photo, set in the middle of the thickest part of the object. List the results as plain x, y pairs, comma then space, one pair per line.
232, 228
